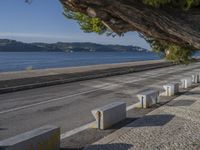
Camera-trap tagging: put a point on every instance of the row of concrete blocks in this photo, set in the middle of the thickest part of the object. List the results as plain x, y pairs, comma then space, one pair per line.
115, 112
48, 137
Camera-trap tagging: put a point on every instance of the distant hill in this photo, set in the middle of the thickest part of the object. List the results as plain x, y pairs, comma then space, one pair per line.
16, 46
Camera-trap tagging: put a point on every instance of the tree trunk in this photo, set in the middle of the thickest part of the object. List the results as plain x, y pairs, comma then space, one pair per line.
166, 24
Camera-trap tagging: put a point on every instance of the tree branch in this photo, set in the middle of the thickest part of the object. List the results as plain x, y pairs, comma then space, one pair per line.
169, 24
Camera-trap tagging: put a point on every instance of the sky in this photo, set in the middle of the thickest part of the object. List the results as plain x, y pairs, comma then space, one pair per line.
43, 21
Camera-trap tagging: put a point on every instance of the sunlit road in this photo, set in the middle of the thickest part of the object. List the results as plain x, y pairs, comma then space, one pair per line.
69, 105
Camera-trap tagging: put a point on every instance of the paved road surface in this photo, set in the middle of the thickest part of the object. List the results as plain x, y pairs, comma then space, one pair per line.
69, 105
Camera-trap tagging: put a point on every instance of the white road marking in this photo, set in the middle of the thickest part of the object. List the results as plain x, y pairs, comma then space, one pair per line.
100, 85
134, 80
77, 130
51, 100
108, 86
131, 107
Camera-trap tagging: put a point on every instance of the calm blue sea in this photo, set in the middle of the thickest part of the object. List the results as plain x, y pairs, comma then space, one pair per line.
15, 61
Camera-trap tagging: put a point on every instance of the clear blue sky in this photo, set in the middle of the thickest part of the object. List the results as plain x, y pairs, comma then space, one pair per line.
42, 21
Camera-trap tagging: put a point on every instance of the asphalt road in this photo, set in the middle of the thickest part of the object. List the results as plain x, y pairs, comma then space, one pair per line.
69, 105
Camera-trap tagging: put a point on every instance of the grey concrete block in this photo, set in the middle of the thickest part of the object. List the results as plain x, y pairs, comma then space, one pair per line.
109, 115
186, 82
195, 78
171, 89
44, 138
148, 98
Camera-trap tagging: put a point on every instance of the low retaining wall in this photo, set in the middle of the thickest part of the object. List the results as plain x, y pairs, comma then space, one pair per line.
10, 82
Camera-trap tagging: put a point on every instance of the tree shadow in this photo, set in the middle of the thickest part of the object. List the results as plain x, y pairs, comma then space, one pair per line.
182, 103
91, 135
71, 148
192, 93
123, 123
114, 146
152, 120
3, 129
145, 121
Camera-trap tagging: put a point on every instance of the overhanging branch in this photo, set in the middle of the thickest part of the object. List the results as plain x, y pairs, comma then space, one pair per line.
168, 24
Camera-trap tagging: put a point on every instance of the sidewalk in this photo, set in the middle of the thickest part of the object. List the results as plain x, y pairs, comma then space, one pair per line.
174, 126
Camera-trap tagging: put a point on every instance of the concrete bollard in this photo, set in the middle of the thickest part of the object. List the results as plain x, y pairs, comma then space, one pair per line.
186, 82
195, 78
171, 89
44, 138
109, 115
148, 98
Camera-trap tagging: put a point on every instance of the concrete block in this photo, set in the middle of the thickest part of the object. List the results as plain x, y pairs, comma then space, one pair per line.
176, 86
186, 82
109, 115
148, 98
44, 138
195, 78
171, 89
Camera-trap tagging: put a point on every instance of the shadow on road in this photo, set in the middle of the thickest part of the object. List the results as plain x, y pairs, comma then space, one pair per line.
2, 129
152, 120
120, 146
191, 93
183, 103
71, 148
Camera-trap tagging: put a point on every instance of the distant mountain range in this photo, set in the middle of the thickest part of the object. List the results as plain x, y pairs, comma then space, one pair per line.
16, 46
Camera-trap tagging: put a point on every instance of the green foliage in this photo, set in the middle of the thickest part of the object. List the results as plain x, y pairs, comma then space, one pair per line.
87, 23
171, 52
184, 4
177, 54
156, 3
